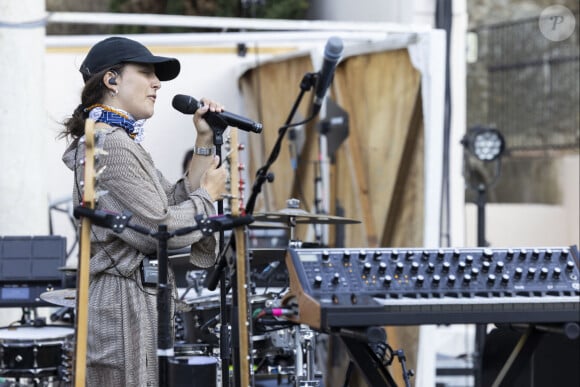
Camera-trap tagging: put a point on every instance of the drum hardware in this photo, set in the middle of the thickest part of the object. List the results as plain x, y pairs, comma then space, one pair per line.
195, 279
64, 314
305, 348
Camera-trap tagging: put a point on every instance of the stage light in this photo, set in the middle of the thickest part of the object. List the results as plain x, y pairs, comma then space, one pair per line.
487, 144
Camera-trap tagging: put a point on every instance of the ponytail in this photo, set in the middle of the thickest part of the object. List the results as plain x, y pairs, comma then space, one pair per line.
93, 92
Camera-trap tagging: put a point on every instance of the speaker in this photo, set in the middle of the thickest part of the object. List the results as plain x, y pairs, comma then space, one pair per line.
553, 362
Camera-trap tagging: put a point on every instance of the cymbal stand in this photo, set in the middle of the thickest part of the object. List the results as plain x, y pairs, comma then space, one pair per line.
304, 336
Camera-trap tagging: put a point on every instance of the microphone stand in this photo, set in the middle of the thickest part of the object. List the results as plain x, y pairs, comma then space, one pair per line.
218, 127
262, 175
207, 226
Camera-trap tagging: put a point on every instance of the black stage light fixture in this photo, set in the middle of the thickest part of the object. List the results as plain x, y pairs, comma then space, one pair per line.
487, 144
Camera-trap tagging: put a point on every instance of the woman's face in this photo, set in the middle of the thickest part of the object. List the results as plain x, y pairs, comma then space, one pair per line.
137, 87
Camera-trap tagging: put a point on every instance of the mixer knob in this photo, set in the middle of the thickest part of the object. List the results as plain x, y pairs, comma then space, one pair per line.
414, 267
446, 266
556, 273
456, 253
336, 278
377, 255
535, 253
425, 255
451, 279
548, 254
435, 280
430, 267
325, 256
440, 254
499, 267
469, 260
510, 254
367, 268
474, 272
346, 256
505, 279
488, 254
420, 280
523, 254
564, 254
317, 281
399, 267
485, 266
461, 266
491, 279
569, 266
531, 272
387, 280
395, 255
382, 268
518, 273
362, 255
466, 279
410, 255
544, 272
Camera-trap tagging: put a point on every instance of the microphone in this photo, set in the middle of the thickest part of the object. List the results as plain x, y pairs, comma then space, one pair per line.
62, 314
332, 53
189, 105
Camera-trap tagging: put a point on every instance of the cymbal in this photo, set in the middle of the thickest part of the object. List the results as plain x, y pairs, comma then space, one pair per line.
300, 216
68, 269
62, 297
267, 225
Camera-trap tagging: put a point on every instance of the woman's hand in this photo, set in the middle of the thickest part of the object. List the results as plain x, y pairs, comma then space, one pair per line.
214, 179
204, 131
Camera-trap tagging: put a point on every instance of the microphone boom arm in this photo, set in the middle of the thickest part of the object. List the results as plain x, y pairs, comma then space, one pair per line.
262, 175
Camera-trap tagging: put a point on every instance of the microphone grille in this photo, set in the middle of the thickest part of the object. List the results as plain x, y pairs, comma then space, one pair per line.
333, 49
184, 103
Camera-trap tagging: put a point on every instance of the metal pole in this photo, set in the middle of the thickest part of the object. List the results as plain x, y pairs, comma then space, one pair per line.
480, 329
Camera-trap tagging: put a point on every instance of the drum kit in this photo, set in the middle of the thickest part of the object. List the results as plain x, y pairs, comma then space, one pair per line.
283, 352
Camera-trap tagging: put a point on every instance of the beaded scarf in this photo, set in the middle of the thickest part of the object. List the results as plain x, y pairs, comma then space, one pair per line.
117, 117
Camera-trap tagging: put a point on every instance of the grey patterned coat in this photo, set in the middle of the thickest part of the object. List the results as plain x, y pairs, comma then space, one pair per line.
122, 335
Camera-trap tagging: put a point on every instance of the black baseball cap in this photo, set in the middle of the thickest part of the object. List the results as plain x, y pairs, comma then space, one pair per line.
116, 50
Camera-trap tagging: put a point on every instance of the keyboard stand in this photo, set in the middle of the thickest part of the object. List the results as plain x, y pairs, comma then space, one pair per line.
371, 367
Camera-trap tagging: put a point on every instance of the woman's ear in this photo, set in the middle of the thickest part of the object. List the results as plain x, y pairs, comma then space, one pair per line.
110, 78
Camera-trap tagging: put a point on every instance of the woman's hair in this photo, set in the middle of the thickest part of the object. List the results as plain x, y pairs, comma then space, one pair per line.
93, 92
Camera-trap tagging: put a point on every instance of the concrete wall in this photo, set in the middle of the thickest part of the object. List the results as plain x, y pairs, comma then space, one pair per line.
534, 225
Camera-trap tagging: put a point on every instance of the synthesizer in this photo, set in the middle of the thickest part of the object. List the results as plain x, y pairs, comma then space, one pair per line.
338, 288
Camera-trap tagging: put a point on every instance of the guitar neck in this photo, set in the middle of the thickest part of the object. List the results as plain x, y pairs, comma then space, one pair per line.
82, 296
244, 370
